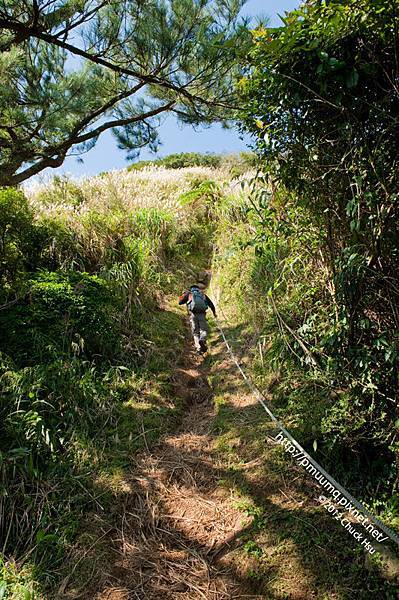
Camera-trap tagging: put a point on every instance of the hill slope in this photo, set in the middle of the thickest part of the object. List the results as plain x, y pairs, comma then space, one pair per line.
131, 469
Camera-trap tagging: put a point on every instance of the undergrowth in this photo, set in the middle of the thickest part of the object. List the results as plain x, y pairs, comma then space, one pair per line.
277, 298
290, 547
90, 336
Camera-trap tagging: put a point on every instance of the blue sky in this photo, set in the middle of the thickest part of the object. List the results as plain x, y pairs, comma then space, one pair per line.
175, 138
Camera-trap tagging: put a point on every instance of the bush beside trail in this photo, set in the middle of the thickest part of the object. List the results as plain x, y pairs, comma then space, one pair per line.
321, 103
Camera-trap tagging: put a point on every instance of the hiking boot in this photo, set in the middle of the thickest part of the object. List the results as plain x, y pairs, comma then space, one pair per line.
203, 346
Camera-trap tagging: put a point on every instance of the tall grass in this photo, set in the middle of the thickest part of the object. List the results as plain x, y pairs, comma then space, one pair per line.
88, 342
272, 279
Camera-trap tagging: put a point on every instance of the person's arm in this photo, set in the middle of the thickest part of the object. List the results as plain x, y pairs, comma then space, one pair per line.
211, 305
184, 297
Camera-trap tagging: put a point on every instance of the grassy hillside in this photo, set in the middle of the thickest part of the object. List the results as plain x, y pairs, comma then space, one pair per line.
89, 339
90, 336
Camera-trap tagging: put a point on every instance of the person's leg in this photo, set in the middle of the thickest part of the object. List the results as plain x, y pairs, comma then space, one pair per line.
203, 332
195, 329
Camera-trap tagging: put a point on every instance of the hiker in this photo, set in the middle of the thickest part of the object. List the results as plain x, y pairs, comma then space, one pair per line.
197, 304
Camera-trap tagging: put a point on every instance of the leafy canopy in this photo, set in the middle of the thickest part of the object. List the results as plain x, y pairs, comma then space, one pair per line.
321, 101
72, 69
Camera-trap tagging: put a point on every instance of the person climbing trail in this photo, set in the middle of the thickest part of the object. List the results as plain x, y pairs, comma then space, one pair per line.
197, 304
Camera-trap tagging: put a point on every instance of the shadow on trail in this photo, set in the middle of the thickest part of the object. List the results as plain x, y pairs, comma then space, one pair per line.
211, 511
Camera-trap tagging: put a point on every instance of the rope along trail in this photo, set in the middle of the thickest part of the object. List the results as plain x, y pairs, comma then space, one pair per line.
304, 455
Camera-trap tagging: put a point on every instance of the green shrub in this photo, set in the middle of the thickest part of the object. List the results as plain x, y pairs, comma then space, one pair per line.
16, 237
236, 164
181, 160
270, 268
82, 341
49, 413
313, 86
62, 312
203, 191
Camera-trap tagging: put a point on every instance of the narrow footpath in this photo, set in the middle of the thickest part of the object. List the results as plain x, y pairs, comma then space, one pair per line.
179, 524
213, 511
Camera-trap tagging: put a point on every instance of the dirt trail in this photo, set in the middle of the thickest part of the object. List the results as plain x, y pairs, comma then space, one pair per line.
179, 526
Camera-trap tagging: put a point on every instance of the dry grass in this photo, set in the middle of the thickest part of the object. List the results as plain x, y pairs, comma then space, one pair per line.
122, 190
176, 528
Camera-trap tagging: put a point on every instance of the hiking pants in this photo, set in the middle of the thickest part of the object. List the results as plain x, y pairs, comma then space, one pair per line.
199, 328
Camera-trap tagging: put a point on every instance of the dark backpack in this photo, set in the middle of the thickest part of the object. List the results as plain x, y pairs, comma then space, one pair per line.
197, 303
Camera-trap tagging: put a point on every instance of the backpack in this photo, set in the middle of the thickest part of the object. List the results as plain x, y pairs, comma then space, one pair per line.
197, 303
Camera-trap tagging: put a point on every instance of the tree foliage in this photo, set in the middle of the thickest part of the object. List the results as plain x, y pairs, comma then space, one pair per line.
321, 100
72, 69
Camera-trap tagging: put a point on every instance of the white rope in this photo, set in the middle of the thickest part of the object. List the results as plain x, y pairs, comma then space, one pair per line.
260, 397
